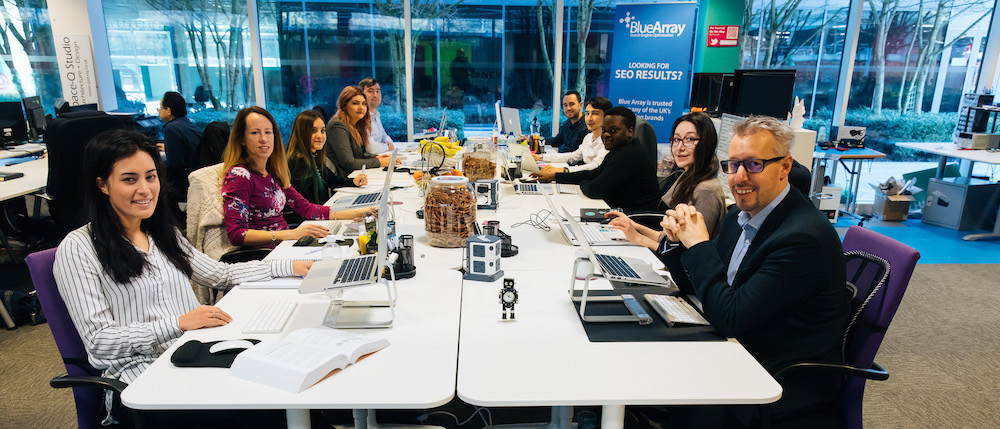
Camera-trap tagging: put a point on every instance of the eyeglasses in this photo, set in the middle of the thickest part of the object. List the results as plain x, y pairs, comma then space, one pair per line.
689, 142
752, 165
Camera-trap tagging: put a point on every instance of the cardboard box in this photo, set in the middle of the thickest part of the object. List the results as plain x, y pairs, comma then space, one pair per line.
892, 207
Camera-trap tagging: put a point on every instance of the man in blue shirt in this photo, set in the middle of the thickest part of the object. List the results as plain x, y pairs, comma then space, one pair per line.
181, 139
572, 132
773, 278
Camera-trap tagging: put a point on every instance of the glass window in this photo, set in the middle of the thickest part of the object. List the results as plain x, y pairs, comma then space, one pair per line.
200, 49
29, 65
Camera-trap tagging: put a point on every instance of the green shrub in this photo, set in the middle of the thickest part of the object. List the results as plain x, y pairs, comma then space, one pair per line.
885, 130
423, 118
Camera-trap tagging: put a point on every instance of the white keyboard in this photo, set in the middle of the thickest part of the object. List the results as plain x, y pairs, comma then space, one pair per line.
566, 188
331, 225
601, 233
270, 318
675, 309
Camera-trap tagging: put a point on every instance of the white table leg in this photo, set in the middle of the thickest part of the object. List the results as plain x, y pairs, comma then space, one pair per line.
297, 419
612, 416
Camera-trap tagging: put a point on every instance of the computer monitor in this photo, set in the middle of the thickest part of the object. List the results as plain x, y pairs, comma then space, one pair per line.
762, 92
510, 120
36, 116
706, 89
12, 118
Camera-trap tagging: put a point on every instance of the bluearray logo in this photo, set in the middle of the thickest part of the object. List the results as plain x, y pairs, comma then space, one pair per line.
637, 29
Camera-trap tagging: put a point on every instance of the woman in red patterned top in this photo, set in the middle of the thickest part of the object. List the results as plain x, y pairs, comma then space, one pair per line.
256, 187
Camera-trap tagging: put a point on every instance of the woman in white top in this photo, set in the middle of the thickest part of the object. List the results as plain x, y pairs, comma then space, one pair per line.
692, 144
591, 152
126, 276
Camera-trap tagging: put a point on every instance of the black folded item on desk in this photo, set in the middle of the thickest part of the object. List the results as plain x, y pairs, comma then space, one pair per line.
196, 354
599, 332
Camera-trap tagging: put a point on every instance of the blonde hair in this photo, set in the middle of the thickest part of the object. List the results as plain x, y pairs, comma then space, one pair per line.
236, 153
783, 134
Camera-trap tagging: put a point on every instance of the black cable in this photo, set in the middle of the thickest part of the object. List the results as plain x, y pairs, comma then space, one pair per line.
537, 220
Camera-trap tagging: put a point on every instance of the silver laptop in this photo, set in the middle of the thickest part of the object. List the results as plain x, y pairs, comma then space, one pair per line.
365, 200
510, 120
361, 270
617, 268
595, 233
440, 130
527, 161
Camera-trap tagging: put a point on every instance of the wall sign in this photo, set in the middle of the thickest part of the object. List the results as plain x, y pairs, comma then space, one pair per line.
75, 55
723, 36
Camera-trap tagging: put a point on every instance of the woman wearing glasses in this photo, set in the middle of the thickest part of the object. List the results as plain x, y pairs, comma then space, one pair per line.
693, 147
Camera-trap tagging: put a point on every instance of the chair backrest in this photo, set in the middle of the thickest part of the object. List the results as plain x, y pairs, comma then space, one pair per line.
880, 269
647, 136
74, 355
213, 143
325, 110
65, 139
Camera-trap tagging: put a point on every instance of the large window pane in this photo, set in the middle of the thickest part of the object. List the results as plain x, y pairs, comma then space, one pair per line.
200, 49
29, 59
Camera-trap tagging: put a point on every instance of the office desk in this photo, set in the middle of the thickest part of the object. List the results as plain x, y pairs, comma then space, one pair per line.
35, 175
543, 357
857, 158
25, 149
417, 369
950, 150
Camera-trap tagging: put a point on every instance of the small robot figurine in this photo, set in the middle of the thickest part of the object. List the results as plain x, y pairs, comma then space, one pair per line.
508, 297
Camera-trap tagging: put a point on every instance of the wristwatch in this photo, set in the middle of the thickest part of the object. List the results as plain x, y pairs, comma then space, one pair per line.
508, 297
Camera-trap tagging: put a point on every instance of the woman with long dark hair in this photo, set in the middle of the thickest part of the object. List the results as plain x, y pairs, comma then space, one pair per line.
692, 145
347, 134
126, 275
312, 173
256, 186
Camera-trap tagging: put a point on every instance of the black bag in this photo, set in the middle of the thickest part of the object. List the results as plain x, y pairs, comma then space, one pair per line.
23, 307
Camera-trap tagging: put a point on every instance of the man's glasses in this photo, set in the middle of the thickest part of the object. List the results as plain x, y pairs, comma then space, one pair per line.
752, 165
688, 142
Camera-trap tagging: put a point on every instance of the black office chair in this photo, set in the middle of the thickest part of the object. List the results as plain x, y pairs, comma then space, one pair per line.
646, 135
213, 143
65, 139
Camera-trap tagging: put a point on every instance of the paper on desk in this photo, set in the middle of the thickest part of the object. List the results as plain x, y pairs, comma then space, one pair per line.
275, 283
297, 253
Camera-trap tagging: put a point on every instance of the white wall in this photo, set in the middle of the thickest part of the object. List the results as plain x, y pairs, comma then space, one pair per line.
77, 18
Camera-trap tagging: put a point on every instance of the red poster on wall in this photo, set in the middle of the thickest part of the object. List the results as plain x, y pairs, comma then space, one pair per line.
723, 36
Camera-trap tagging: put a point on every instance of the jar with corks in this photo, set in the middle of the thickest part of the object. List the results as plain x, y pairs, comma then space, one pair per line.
449, 211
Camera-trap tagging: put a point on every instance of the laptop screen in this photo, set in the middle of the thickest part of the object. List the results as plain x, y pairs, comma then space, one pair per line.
581, 238
381, 223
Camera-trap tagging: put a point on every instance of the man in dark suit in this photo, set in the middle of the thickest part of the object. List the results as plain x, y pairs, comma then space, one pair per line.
774, 278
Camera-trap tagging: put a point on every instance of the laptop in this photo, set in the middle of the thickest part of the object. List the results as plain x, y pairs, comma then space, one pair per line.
617, 268
369, 199
440, 130
510, 121
596, 234
360, 270
527, 161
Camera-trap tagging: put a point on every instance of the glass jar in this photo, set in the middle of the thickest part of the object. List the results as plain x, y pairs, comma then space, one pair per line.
449, 211
480, 163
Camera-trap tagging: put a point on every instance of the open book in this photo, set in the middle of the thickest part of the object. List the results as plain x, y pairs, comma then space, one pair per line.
303, 358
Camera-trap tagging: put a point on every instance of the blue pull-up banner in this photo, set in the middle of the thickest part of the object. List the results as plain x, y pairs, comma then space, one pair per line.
651, 61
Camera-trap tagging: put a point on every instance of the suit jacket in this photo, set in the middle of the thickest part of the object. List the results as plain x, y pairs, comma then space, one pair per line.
788, 302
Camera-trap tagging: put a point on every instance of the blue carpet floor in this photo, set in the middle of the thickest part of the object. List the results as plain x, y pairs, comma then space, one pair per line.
940, 245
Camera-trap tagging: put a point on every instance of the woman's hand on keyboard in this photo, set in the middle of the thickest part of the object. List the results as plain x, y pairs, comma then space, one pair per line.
205, 316
310, 229
355, 214
301, 268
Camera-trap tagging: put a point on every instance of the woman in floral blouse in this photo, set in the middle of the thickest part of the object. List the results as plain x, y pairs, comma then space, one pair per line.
256, 187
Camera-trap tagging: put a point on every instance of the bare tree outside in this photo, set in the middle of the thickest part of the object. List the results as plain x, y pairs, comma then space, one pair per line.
27, 34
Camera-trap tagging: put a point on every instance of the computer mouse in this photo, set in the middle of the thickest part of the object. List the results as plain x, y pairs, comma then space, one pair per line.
230, 346
305, 240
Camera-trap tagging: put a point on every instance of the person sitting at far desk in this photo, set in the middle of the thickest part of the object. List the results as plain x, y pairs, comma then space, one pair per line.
693, 148
774, 277
312, 173
378, 140
591, 152
347, 134
126, 275
256, 186
627, 177
572, 132
181, 139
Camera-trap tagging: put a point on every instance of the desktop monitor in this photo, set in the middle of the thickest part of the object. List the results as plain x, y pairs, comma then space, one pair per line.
762, 92
36, 116
510, 120
706, 89
12, 118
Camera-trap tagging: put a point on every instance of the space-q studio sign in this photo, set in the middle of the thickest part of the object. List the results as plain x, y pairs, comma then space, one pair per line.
75, 56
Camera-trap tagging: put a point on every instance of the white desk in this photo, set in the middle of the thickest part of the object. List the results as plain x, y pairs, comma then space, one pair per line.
25, 149
950, 150
36, 173
543, 358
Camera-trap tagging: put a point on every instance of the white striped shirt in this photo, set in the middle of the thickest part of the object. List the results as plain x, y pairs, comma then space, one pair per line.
125, 327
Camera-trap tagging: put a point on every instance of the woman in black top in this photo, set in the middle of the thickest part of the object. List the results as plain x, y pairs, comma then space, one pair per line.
313, 175
347, 134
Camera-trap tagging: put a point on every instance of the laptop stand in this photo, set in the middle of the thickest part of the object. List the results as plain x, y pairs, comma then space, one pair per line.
344, 314
583, 267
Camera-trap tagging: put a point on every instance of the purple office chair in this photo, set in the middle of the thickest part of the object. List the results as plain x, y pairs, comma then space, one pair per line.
878, 271
87, 383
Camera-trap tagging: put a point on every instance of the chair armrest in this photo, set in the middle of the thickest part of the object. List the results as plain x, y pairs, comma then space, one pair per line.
63, 381
876, 372
244, 255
